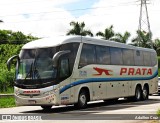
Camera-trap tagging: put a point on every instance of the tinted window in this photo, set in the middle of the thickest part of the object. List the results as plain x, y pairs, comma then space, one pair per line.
87, 55
73, 47
128, 57
45, 53
27, 54
138, 57
116, 56
147, 58
103, 55
153, 59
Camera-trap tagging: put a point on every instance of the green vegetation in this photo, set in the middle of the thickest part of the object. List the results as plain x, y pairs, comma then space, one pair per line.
9, 90
7, 77
158, 113
78, 29
10, 44
108, 33
7, 102
10, 37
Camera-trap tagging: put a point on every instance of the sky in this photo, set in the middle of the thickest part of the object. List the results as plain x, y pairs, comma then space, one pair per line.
48, 18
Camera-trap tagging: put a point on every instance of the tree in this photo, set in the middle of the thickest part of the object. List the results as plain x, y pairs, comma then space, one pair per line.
10, 37
122, 38
156, 46
4, 36
142, 39
78, 29
107, 34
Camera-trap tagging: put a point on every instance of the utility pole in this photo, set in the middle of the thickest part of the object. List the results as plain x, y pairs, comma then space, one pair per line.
144, 25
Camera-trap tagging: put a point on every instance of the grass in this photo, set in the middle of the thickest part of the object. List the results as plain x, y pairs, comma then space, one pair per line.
7, 102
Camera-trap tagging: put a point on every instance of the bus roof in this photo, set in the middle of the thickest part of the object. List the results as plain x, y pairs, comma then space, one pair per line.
56, 41
51, 42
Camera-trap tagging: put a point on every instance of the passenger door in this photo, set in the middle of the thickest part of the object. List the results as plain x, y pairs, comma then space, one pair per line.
64, 74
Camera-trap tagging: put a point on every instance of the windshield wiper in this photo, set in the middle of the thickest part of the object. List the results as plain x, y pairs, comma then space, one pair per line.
35, 71
30, 71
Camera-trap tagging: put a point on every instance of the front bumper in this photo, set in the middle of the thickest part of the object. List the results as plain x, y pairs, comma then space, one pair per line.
47, 100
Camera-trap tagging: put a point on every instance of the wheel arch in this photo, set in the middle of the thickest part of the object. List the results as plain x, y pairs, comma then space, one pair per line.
147, 86
84, 88
138, 85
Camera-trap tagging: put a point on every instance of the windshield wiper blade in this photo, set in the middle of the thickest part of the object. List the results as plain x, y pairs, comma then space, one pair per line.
35, 71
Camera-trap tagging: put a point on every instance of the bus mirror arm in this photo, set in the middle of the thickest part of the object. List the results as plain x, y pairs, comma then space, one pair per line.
10, 60
58, 55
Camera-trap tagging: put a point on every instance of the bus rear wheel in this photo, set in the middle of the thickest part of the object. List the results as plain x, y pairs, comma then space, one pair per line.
46, 107
145, 93
82, 100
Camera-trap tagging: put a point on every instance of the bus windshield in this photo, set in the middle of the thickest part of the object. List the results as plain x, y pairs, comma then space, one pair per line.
36, 64
35, 67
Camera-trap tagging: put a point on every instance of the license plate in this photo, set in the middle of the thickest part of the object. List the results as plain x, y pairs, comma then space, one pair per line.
32, 101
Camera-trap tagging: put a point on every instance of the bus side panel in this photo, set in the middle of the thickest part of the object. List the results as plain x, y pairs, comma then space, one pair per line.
153, 84
65, 92
99, 90
123, 88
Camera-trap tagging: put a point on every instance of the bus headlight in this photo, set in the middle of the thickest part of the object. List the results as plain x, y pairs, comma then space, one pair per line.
48, 92
55, 88
16, 91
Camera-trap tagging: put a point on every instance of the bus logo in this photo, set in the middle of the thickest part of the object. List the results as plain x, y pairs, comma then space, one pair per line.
100, 71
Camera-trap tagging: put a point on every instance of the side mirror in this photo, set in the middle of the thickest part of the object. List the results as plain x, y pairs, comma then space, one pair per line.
58, 55
10, 60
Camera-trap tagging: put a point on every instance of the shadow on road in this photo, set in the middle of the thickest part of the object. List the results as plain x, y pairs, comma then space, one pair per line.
96, 107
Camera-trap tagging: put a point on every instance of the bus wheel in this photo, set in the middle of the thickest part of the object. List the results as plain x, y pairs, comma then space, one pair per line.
46, 107
82, 100
145, 93
138, 94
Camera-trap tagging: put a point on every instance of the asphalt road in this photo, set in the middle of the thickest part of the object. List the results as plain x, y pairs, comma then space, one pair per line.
122, 110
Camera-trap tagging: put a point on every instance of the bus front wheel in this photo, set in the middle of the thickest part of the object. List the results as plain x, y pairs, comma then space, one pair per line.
145, 93
82, 100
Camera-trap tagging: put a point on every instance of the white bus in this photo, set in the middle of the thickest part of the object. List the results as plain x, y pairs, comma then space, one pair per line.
81, 69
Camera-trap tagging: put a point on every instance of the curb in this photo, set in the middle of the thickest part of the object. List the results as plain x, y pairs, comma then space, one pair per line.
6, 95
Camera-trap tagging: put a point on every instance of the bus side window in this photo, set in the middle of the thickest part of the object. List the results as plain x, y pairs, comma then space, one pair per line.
116, 56
103, 55
138, 58
147, 58
128, 57
87, 55
153, 59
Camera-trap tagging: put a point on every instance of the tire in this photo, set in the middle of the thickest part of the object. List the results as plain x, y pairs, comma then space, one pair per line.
82, 100
46, 107
138, 94
145, 93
